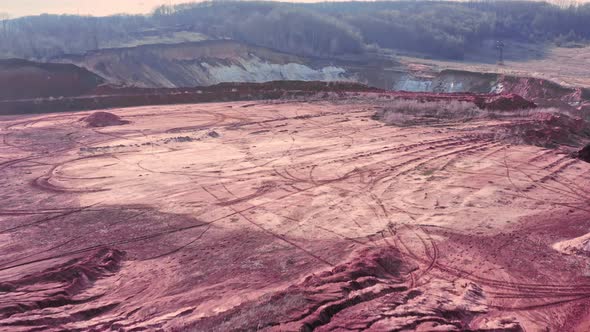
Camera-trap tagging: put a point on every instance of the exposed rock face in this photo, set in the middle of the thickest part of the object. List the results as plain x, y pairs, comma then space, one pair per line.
201, 64
103, 119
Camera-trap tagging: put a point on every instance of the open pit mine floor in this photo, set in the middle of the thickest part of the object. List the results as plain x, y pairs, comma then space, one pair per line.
286, 216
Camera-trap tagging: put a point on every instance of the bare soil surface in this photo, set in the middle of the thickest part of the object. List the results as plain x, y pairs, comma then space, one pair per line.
287, 216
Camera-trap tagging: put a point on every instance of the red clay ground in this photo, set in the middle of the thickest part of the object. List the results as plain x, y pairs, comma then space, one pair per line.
295, 216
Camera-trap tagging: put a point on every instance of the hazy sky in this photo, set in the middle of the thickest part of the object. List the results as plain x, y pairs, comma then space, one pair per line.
17, 8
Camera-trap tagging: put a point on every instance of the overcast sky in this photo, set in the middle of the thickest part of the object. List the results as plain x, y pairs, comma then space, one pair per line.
17, 8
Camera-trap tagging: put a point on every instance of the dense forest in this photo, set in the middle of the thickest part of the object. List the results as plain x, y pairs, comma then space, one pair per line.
434, 28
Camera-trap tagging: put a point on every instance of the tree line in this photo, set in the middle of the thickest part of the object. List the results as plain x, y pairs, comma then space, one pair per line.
436, 28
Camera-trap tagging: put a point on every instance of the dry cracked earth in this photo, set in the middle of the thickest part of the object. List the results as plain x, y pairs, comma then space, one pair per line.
286, 216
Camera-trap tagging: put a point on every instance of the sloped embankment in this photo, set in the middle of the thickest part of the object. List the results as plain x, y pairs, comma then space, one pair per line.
200, 64
540, 91
108, 96
23, 79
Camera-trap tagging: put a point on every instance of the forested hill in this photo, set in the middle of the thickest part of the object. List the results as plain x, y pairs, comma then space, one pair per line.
436, 29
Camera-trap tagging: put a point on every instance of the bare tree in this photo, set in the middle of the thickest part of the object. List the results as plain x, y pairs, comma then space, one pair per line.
4, 18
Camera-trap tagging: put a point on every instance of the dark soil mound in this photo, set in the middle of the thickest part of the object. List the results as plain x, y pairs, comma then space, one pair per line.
584, 154
103, 119
106, 96
503, 102
547, 130
506, 102
22, 79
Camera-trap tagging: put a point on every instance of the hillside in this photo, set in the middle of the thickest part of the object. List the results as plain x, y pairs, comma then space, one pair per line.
438, 29
194, 72
376, 43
